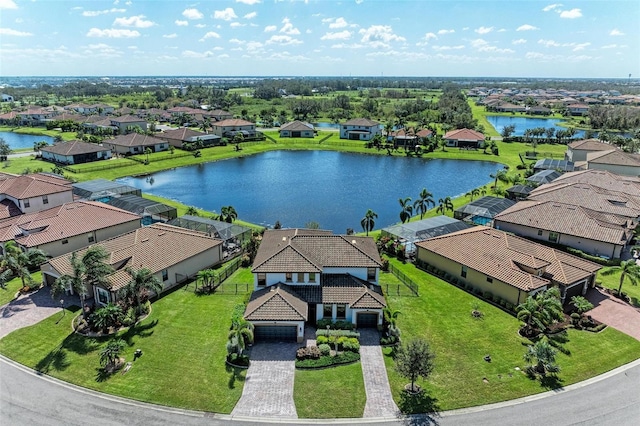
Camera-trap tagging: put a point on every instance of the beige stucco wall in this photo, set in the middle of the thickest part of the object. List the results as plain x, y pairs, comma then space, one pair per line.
619, 170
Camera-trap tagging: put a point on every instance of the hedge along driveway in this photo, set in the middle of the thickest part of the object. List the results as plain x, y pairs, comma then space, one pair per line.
183, 362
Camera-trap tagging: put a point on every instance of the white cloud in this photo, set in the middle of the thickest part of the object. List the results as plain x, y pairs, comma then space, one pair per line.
270, 28
443, 31
338, 23
581, 46
379, 36
133, 21
10, 32
444, 48
616, 32
200, 25
197, 55
484, 30
174, 35
527, 27
571, 14
226, 14
92, 13
112, 33
340, 35
236, 25
549, 43
288, 27
8, 4
192, 14
479, 43
181, 23
551, 7
429, 36
519, 41
612, 46
250, 15
249, 2
210, 34
283, 40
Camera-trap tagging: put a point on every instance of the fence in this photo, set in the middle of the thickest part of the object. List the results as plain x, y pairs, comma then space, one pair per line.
111, 165
404, 279
154, 158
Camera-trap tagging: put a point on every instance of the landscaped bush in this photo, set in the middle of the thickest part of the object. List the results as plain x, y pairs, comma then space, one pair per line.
338, 333
324, 349
350, 344
509, 306
389, 340
322, 340
337, 325
327, 361
597, 328
129, 317
469, 287
447, 277
487, 295
239, 360
477, 291
309, 352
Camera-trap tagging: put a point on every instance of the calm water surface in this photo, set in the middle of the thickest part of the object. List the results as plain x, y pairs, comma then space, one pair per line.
523, 123
331, 188
19, 140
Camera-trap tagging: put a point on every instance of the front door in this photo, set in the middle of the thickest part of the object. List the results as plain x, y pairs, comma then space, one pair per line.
313, 308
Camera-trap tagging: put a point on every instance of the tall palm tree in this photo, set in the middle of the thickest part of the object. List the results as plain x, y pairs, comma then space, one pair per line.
542, 356
500, 175
142, 281
444, 205
628, 269
228, 214
423, 202
388, 129
406, 209
368, 221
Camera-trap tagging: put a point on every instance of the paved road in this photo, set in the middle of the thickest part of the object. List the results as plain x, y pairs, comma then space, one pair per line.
27, 399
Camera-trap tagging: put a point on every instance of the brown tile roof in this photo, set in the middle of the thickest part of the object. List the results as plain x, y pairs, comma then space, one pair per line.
232, 122
422, 133
568, 219
342, 288
276, 303
498, 254
360, 122
74, 148
614, 157
58, 223
8, 209
134, 139
296, 125
181, 134
34, 185
127, 119
602, 179
464, 134
155, 247
304, 250
591, 145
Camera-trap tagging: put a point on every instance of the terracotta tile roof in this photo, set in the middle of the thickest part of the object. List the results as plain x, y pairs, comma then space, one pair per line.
296, 125
568, 219
342, 288
422, 133
360, 122
614, 157
34, 185
498, 254
603, 179
8, 209
464, 135
276, 303
232, 122
134, 139
285, 250
74, 148
155, 247
591, 145
58, 223
181, 134
127, 119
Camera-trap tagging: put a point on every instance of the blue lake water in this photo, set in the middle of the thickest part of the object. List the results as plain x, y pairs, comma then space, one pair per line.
331, 188
19, 140
325, 125
499, 122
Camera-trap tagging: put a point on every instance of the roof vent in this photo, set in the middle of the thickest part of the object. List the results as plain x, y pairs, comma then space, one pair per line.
145, 240
353, 242
284, 238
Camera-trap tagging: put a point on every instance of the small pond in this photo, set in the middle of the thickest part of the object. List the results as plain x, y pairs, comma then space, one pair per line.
325, 125
20, 141
331, 188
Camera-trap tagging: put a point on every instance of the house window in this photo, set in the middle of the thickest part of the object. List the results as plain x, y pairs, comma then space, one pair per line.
91, 239
165, 274
553, 237
371, 274
539, 231
489, 279
463, 272
312, 277
341, 312
27, 204
300, 277
65, 241
327, 311
262, 280
288, 277
45, 199
103, 295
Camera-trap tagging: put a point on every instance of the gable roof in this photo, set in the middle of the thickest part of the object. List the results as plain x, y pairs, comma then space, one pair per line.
498, 254
603, 179
276, 303
134, 139
232, 122
181, 134
614, 157
306, 250
296, 125
464, 135
74, 148
343, 288
360, 122
591, 145
33, 185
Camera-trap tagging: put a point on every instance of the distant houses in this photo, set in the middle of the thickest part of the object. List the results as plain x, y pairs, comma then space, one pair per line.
360, 129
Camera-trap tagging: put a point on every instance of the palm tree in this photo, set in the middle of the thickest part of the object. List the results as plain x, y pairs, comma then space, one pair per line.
142, 281
20, 262
240, 335
96, 270
207, 276
540, 311
422, 204
406, 209
542, 357
107, 316
628, 269
73, 281
500, 175
192, 211
474, 193
147, 151
444, 204
228, 214
368, 221
111, 352
388, 129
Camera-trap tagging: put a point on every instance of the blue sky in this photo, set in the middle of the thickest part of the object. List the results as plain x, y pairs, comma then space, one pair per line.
516, 38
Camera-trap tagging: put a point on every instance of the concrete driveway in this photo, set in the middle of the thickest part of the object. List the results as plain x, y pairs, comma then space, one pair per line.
614, 312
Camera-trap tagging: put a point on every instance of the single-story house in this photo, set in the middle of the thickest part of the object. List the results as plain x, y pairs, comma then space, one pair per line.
506, 265
135, 143
297, 129
464, 138
407, 234
182, 135
75, 152
67, 227
173, 255
303, 275
228, 128
408, 137
126, 122
32, 193
593, 232
482, 210
360, 129
603, 179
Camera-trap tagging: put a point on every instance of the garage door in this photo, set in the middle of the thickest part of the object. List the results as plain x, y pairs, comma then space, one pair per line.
367, 320
273, 333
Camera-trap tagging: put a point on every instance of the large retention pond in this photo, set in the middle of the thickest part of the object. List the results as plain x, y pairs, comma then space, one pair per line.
20, 140
331, 188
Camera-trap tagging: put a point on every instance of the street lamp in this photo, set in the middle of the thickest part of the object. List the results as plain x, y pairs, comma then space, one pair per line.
62, 307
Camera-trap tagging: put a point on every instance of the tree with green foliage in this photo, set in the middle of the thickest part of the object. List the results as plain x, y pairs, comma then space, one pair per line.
444, 204
581, 304
107, 316
20, 263
500, 175
110, 354
540, 311
240, 335
368, 221
228, 214
192, 211
414, 359
142, 282
5, 149
406, 209
425, 199
628, 269
542, 357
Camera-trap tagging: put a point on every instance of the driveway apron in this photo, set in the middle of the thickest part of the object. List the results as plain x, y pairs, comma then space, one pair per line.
615, 313
380, 403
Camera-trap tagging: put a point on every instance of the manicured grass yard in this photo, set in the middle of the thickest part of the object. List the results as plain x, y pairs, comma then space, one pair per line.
613, 282
183, 362
442, 316
7, 294
330, 392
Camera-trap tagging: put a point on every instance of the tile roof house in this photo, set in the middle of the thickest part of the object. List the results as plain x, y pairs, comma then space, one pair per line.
578, 150
297, 129
229, 127
173, 255
408, 136
464, 138
125, 122
591, 231
360, 129
68, 227
32, 193
75, 152
178, 137
303, 275
508, 266
135, 143
615, 161
603, 179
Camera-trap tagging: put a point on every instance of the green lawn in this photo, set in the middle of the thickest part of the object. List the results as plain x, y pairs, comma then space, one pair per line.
183, 362
7, 294
613, 282
330, 393
442, 316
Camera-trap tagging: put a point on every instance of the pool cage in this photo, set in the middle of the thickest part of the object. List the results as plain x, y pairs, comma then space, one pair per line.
102, 190
407, 234
233, 236
483, 210
151, 211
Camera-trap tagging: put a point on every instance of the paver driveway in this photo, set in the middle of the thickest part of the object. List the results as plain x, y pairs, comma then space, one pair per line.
614, 312
380, 403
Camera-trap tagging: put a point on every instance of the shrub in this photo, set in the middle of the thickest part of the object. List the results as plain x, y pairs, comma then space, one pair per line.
385, 265
503, 303
351, 344
323, 323
240, 360
129, 317
324, 349
597, 328
447, 277
343, 325
246, 260
322, 340
487, 295
314, 352
477, 291
389, 340
337, 333
327, 361
469, 287
509, 306
309, 352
